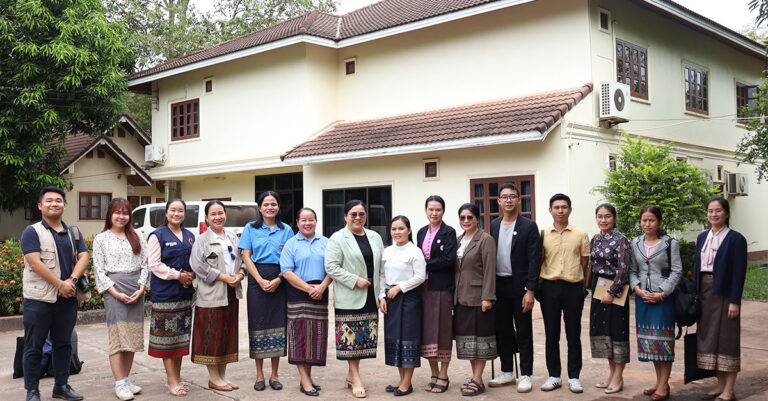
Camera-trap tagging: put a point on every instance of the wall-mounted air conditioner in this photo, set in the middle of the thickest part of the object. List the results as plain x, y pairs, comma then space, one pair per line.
154, 154
736, 184
614, 102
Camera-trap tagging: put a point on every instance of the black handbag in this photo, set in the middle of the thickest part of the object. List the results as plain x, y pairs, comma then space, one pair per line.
692, 370
687, 304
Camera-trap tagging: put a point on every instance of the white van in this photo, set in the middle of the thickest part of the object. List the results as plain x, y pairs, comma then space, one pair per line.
146, 218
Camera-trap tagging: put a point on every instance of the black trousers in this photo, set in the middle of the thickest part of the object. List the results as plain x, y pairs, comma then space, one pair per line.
514, 329
561, 296
40, 318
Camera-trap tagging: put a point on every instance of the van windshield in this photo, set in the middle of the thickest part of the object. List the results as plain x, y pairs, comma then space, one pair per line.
157, 216
240, 215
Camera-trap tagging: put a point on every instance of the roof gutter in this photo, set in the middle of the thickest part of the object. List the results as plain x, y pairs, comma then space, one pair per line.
526, 136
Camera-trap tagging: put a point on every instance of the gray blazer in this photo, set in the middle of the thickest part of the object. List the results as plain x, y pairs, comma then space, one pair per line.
344, 263
207, 260
643, 266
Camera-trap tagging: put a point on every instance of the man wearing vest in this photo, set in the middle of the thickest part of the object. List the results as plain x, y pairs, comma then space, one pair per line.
55, 257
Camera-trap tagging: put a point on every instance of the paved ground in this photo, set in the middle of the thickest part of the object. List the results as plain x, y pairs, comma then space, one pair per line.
96, 382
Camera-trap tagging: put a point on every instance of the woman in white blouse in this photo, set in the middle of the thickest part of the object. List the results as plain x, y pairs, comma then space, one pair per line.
403, 270
120, 266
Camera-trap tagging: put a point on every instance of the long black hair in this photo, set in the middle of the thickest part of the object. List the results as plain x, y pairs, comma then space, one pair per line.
260, 219
407, 225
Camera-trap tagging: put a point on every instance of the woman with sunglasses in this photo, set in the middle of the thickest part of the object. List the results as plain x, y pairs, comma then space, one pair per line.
219, 270
473, 321
353, 261
122, 274
262, 242
302, 264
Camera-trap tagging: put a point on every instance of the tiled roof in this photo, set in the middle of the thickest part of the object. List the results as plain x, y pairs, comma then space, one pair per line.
375, 17
76, 145
506, 116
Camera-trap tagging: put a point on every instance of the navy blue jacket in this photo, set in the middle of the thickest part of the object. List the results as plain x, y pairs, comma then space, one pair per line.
730, 267
175, 254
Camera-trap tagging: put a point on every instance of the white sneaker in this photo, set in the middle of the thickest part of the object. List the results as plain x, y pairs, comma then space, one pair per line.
123, 392
503, 379
524, 384
552, 383
134, 388
575, 386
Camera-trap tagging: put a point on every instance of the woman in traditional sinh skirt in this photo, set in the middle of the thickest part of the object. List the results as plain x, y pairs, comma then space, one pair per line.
354, 300
218, 265
437, 241
262, 241
473, 320
121, 272
721, 266
402, 272
302, 265
654, 273
169, 248
610, 257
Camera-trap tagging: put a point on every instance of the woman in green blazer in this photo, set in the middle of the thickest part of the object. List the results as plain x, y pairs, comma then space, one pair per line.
353, 260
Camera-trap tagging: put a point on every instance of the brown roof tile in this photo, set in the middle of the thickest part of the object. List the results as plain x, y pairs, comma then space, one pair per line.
76, 145
506, 116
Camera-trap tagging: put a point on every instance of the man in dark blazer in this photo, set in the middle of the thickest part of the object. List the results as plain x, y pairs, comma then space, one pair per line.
518, 263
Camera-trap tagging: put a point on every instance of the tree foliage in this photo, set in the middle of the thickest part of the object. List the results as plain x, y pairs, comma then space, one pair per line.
233, 18
62, 70
648, 175
753, 146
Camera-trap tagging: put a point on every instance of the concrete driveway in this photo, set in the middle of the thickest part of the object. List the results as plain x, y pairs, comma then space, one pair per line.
95, 382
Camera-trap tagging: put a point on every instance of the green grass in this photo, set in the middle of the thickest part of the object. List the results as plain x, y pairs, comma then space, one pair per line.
756, 284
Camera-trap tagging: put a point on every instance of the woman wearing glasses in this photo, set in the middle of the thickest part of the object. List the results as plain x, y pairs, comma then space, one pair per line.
217, 264
473, 322
353, 261
302, 264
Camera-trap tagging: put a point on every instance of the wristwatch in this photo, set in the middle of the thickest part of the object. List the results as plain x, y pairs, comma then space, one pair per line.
74, 279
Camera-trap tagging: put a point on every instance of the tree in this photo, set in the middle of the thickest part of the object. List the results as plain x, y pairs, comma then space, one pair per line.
648, 175
62, 69
233, 18
753, 146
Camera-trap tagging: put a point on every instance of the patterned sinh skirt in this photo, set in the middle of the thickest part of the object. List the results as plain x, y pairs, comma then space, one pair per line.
125, 323
719, 338
307, 327
266, 315
402, 330
437, 325
357, 331
475, 333
609, 329
214, 333
169, 329
655, 330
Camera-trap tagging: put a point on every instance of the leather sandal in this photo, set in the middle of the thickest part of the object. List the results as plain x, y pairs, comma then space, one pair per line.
441, 388
472, 389
428, 388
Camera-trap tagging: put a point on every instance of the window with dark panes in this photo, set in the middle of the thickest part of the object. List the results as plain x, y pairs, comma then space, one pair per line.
146, 200
485, 192
185, 120
290, 188
746, 98
93, 205
696, 89
632, 68
134, 201
378, 202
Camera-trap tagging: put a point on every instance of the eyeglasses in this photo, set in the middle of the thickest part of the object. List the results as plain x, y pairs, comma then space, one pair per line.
355, 215
508, 197
232, 254
466, 218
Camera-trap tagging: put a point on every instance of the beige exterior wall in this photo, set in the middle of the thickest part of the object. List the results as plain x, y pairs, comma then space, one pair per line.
525, 49
98, 176
238, 186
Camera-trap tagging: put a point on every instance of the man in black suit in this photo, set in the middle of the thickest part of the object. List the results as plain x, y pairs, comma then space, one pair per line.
518, 262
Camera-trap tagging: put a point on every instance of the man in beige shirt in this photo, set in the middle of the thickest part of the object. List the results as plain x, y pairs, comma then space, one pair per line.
565, 256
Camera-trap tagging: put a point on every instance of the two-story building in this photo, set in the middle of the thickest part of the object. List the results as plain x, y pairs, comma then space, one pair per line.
403, 99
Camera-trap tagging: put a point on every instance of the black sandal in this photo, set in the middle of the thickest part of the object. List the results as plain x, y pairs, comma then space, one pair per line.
430, 384
442, 388
390, 388
400, 393
472, 389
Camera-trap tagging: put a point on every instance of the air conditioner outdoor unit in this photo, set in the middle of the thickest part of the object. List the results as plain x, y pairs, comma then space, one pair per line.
736, 184
154, 154
614, 102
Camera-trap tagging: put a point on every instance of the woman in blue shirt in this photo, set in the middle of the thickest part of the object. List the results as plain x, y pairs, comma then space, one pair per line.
261, 242
302, 265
